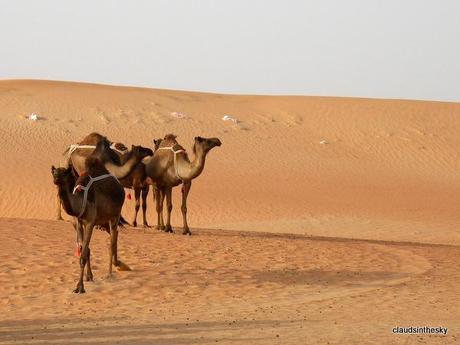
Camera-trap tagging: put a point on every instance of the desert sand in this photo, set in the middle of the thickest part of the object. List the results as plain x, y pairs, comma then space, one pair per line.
318, 220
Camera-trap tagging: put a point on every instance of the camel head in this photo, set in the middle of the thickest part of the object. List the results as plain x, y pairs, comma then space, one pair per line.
141, 152
205, 144
156, 143
60, 175
104, 153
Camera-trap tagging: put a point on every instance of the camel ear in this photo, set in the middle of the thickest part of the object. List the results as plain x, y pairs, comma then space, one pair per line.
199, 139
53, 168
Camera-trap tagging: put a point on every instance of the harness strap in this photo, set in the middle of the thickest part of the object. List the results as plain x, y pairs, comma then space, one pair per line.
87, 187
171, 148
74, 147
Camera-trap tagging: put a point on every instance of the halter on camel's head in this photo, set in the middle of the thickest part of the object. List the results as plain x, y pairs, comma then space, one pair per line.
206, 143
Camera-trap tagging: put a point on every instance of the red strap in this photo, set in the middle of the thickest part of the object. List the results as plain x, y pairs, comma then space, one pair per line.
78, 250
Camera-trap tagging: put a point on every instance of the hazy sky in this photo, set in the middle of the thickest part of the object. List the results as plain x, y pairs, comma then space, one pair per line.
368, 48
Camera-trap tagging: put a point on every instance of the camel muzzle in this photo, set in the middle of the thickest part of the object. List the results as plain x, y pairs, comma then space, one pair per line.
216, 142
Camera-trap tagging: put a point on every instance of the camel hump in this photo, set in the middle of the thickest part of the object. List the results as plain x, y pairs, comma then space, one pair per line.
95, 167
170, 137
170, 141
92, 139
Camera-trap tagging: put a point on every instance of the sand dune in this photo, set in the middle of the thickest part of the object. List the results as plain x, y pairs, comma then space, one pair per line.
388, 169
323, 172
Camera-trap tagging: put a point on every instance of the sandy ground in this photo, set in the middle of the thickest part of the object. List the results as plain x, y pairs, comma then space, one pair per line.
363, 195
224, 287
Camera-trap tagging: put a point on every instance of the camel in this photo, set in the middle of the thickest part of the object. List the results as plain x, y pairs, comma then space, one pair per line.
169, 167
116, 158
105, 199
120, 168
139, 182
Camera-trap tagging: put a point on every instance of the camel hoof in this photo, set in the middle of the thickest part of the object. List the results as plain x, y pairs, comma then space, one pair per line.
79, 289
59, 218
89, 278
169, 229
187, 232
135, 224
146, 226
122, 266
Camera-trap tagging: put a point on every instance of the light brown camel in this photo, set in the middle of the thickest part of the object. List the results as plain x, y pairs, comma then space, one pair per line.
169, 167
103, 207
116, 158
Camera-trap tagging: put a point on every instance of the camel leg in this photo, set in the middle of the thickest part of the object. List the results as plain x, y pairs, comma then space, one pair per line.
185, 190
137, 196
79, 229
156, 200
116, 262
168, 193
58, 209
114, 244
113, 247
89, 273
160, 197
84, 256
145, 193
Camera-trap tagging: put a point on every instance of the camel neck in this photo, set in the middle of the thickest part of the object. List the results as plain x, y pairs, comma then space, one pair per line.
70, 201
125, 157
189, 170
124, 170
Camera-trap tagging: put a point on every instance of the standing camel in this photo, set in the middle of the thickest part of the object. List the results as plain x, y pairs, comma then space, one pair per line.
120, 168
140, 183
169, 167
104, 201
116, 158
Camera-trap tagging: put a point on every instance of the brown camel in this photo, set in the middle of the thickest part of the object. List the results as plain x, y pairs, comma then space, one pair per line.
169, 167
116, 158
120, 168
105, 199
140, 183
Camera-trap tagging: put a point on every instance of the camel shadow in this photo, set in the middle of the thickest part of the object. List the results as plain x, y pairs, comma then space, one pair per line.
93, 331
333, 278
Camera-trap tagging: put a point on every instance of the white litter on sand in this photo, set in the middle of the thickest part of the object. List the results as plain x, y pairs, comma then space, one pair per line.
177, 115
229, 118
33, 117
324, 142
